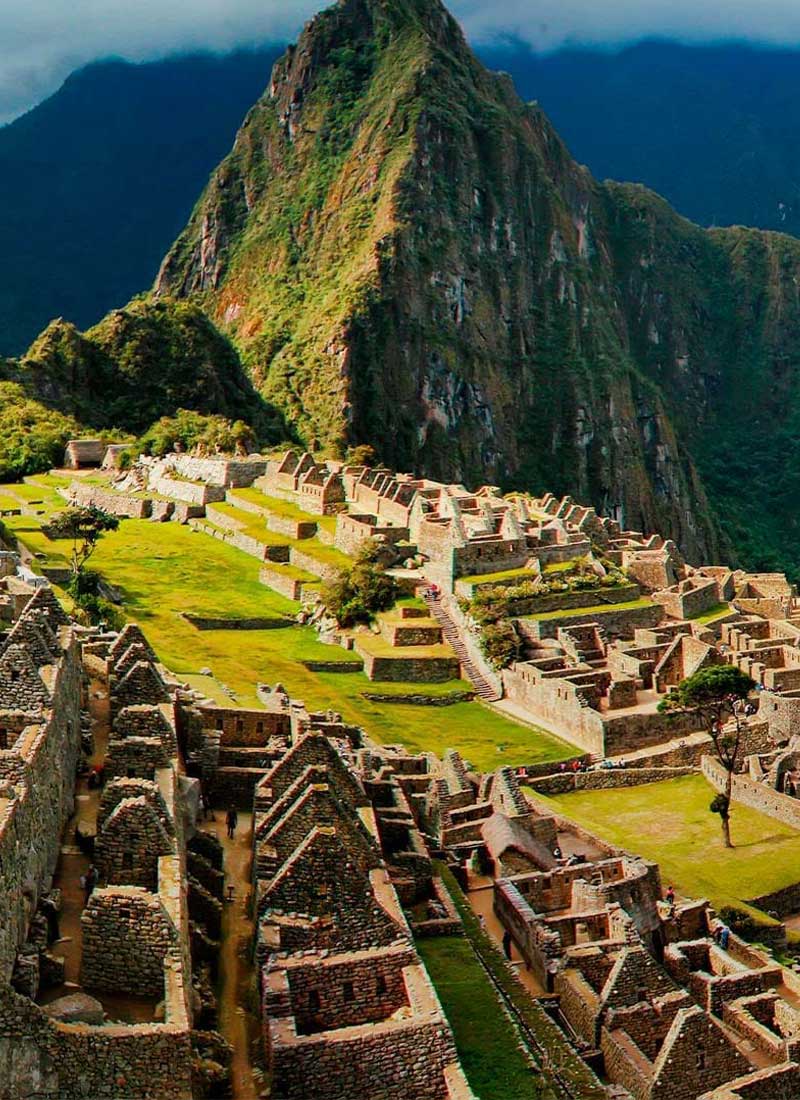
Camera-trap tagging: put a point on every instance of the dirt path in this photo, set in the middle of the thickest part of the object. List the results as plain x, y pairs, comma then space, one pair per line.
72, 864
481, 898
236, 990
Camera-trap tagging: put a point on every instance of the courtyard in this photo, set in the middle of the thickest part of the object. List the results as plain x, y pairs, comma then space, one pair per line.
670, 823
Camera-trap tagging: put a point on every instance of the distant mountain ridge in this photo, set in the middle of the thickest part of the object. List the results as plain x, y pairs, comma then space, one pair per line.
715, 129
96, 181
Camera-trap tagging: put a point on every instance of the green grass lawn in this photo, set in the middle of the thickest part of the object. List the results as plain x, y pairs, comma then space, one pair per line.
164, 569
284, 508
718, 611
486, 1041
671, 823
571, 612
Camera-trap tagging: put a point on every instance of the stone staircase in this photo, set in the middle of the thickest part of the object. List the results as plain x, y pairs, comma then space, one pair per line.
452, 635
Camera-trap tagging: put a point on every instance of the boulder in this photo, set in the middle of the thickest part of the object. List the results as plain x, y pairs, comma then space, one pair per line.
76, 1008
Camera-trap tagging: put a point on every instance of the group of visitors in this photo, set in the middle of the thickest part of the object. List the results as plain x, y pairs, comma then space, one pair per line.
579, 765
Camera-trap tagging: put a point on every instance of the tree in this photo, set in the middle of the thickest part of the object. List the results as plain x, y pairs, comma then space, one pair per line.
85, 526
357, 593
713, 694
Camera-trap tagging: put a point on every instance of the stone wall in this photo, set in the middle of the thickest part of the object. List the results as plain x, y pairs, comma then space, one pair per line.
52, 1061
129, 844
349, 991
285, 583
301, 560
207, 622
41, 767
239, 726
353, 530
234, 787
618, 623
127, 936
232, 473
388, 1060
605, 779
190, 492
418, 670
758, 796
686, 603
117, 504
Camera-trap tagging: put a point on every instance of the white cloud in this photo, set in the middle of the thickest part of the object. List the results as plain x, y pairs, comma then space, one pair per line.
43, 40
549, 24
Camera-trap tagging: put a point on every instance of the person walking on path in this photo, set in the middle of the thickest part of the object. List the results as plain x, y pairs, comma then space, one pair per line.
231, 820
89, 881
507, 944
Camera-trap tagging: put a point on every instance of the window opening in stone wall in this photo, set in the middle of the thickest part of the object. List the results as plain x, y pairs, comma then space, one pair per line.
219, 723
348, 992
239, 725
380, 985
127, 861
259, 727
313, 1000
14, 675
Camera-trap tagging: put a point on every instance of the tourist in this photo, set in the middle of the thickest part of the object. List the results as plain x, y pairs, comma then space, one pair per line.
670, 896
89, 881
551, 969
50, 911
507, 944
556, 852
232, 820
724, 936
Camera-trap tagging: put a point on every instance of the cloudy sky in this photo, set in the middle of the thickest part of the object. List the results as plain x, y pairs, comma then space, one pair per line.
41, 41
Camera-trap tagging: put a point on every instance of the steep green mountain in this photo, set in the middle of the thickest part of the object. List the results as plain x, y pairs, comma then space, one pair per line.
96, 181
712, 128
138, 364
406, 254
403, 253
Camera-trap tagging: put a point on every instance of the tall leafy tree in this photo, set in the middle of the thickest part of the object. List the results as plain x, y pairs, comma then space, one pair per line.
85, 526
715, 695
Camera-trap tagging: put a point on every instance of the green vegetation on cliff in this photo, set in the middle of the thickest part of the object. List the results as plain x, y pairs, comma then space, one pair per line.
138, 364
32, 437
399, 252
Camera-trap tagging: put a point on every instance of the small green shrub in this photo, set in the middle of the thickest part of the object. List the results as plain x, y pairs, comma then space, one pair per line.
90, 607
361, 590
500, 643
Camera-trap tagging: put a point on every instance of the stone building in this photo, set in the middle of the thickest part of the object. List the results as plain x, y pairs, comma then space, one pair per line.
136, 930
348, 1008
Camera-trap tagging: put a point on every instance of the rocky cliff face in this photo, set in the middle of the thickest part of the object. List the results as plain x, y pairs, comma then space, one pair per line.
406, 255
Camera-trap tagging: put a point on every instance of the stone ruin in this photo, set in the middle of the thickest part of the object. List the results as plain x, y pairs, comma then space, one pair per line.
348, 1008
136, 923
643, 986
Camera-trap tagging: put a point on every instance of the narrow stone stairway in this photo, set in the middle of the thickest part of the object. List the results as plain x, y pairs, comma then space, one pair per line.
452, 635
